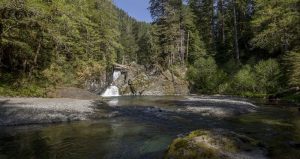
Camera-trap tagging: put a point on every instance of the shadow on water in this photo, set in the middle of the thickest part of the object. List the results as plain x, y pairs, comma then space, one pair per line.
143, 127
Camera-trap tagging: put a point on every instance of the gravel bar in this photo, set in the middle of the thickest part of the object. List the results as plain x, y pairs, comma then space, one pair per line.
23, 111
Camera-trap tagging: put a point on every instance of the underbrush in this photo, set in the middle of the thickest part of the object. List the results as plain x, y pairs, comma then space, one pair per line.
39, 83
12, 85
258, 80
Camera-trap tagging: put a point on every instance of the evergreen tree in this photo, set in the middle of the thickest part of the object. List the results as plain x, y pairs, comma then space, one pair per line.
166, 15
276, 25
42, 38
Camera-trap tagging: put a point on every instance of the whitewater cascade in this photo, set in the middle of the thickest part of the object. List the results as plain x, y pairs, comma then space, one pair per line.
112, 91
116, 75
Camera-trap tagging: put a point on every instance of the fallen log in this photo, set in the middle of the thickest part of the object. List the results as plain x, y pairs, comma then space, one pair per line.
120, 66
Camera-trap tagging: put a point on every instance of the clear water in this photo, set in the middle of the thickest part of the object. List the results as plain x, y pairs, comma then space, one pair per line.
143, 127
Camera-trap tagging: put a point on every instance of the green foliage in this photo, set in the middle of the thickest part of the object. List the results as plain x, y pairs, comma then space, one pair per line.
261, 79
147, 53
168, 30
244, 81
69, 42
276, 25
9, 86
64, 42
292, 62
205, 76
267, 75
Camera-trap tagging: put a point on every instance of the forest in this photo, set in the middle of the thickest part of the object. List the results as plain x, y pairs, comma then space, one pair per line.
232, 47
204, 79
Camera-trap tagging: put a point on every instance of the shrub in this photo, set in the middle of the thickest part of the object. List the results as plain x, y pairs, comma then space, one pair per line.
244, 81
267, 76
292, 61
12, 85
90, 70
205, 75
54, 74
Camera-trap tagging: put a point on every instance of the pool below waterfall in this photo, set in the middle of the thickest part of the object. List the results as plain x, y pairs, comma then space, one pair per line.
143, 127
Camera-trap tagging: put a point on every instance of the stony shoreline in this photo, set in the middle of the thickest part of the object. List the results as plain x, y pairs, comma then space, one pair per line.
24, 111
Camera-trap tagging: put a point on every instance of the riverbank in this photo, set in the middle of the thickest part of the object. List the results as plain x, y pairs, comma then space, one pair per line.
24, 111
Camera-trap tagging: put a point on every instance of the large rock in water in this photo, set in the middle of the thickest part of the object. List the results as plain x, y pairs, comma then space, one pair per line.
215, 144
153, 81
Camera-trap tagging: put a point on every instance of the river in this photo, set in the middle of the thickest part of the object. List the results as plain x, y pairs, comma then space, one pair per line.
143, 127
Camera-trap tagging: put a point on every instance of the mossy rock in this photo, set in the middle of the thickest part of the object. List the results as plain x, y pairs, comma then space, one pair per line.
215, 144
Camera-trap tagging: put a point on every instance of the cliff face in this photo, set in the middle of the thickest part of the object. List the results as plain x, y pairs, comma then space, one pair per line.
153, 81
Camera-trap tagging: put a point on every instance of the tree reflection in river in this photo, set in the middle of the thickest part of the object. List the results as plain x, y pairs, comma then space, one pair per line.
143, 127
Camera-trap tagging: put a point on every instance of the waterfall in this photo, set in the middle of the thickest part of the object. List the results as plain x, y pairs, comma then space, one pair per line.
116, 75
112, 91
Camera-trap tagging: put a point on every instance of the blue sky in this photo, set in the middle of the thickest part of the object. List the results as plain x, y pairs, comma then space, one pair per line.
136, 8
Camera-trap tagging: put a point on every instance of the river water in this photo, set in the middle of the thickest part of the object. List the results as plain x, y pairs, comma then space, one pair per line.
143, 127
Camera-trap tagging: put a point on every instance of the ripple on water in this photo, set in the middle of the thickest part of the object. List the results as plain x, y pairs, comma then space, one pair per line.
143, 127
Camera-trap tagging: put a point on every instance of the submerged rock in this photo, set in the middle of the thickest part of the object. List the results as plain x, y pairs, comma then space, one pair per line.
216, 106
215, 144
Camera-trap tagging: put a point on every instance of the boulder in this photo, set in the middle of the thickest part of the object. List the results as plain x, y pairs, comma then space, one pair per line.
215, 144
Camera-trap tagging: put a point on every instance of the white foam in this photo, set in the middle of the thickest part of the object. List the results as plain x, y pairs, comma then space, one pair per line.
116, 75
111, 91
229, 101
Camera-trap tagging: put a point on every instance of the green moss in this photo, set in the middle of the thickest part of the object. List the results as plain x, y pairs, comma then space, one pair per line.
192, 146
185, 148
180, 143
197, 133
180, 148
212, 144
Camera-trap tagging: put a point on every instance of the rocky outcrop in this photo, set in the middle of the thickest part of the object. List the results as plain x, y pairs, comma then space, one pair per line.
154, 81
97, 83
215, 144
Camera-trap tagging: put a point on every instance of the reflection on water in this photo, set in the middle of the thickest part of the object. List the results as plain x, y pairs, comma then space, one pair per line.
145, 126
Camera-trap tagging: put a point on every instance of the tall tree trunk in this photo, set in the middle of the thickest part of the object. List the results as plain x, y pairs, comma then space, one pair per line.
222, 20
181, 47
35, 59
187, 46
37, 53
24, 66
236, 42
1, 49
212, 24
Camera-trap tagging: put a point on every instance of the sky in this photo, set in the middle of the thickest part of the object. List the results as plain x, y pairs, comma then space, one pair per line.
136, 8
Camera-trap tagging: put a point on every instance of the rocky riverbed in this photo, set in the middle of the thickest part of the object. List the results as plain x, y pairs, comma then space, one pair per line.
21, 111
24, 111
